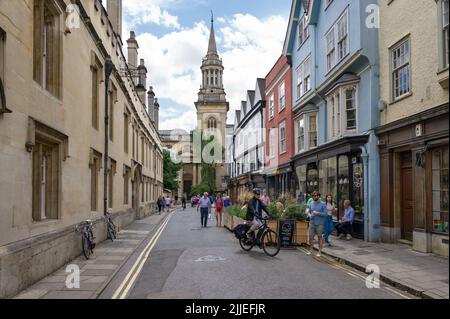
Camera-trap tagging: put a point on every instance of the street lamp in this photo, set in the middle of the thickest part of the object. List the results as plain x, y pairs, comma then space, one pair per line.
109, 68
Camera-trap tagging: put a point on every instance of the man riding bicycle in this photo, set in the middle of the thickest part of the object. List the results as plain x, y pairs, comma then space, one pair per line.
255, 207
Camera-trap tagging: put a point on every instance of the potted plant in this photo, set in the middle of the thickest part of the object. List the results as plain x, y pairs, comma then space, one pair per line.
298, 213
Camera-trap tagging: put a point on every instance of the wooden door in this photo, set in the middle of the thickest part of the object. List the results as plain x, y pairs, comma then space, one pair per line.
407, 204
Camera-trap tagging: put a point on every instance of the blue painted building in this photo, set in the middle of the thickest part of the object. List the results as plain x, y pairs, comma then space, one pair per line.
334, 52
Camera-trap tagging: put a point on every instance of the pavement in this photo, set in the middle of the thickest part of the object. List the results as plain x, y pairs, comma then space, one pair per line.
423, 275
101, 268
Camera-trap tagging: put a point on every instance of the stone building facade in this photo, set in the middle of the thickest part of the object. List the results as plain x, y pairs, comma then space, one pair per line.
414, 131
52, 102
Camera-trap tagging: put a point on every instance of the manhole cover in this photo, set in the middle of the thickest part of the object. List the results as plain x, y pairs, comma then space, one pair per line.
361, 252
210, 258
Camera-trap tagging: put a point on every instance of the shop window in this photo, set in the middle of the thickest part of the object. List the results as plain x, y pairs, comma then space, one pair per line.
47, 45
343, 181
327, 178
312, 179
440, 190
358, 187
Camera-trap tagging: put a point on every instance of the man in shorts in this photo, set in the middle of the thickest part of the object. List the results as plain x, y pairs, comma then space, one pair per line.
317, 212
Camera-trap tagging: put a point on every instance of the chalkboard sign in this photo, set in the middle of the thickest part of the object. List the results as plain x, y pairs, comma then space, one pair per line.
286, 232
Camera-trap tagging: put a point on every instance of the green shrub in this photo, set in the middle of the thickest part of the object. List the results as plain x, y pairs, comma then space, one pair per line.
274, 211
297, 212
234, 211
200, 189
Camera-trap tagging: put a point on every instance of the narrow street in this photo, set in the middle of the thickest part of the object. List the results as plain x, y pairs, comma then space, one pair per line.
188, 262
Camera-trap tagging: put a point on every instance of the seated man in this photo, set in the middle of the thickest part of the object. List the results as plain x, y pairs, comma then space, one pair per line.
345, 224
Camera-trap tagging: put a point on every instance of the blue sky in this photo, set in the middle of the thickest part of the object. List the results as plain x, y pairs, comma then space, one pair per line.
173, 38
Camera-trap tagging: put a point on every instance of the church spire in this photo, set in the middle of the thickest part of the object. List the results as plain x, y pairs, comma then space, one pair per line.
212, 48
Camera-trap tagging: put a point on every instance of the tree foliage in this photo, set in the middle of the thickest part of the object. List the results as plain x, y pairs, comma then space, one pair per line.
170, 172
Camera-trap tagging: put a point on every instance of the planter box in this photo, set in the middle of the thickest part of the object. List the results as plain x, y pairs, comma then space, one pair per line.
228, 221
273, 224
301, 233
237, 221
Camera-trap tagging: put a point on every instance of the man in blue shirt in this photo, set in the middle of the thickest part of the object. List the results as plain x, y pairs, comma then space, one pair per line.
205, 205
317, 212
345, 224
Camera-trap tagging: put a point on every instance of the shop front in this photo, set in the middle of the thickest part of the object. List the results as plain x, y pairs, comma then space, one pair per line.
336, 169
415, 181
279, 182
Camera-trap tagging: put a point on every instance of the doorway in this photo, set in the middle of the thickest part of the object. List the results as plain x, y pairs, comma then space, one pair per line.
406, 194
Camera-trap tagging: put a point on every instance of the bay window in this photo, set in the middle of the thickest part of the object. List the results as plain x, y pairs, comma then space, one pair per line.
342, 111
440, 190
272, 143
306, 132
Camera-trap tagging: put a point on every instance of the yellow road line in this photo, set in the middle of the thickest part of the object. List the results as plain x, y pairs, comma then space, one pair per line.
122, 285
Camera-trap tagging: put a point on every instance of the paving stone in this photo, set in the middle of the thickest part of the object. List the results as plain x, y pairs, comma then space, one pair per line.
97, 272
68, 294
100, 267
32, 294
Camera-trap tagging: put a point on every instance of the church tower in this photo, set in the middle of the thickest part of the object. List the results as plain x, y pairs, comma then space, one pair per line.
212, 106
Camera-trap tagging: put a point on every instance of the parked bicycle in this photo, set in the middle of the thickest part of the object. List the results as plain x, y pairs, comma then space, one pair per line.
266, 239
110, 227
87, 238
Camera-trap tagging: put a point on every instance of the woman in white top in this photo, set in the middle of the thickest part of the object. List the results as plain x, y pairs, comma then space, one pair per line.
329, 220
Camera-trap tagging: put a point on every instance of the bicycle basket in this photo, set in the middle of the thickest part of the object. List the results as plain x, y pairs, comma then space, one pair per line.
240, 230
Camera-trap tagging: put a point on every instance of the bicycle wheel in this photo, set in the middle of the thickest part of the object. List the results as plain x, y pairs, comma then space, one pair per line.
86, 246
246, 244
271, 243
112, 232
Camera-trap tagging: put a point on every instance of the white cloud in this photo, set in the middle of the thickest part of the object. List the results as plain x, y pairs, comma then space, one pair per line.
249, 48
148, 11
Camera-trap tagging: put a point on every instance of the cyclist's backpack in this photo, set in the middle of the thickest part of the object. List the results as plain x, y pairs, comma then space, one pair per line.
240, 230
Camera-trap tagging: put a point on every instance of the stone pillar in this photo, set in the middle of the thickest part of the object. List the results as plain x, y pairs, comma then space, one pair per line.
115, 15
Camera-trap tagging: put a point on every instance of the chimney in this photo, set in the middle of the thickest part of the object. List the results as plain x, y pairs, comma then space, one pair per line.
115, 15
156, 119
142, 81
133, 56
151, 103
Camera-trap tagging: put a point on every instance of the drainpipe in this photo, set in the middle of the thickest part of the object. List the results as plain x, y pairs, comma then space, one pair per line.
109, 67
365, 157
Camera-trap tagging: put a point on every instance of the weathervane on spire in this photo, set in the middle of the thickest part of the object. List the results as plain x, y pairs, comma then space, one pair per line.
212, 17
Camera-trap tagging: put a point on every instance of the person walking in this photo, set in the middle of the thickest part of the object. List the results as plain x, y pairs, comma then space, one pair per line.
329, 219
183, 201
265, 199
204, 204
345, 224
317, 212
219, 209
168, 202
160, 203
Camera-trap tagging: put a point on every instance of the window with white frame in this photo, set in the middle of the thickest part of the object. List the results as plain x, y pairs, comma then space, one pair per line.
283, 137
304, 78
271, 106
400, 65
342, 111
282, 97
337, 40
303, 31
444, 12
312, 132
272, 143
301, 134
306, 131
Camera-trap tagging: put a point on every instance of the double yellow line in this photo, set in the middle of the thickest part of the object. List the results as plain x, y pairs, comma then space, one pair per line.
130, 279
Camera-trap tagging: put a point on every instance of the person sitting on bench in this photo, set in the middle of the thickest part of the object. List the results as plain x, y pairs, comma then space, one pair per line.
345, 224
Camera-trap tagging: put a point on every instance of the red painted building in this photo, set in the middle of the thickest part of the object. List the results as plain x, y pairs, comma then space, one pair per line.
279, 126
